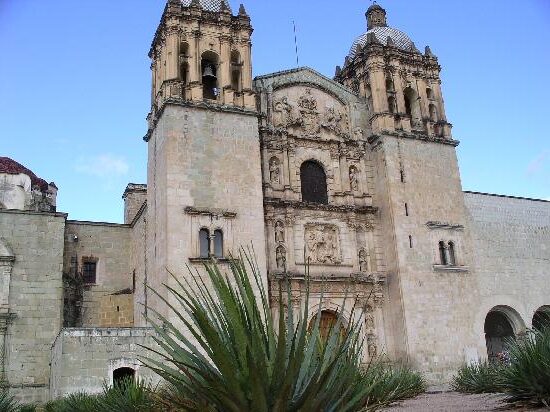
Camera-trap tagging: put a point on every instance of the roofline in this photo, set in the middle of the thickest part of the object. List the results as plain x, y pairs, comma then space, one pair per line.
507, 196
302, 68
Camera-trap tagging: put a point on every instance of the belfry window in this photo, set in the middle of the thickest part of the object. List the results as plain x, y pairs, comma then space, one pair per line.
429, 93
209, 70
218, 243
314, 183
391, 104
236, 71
433, 113
204, 243
389, 85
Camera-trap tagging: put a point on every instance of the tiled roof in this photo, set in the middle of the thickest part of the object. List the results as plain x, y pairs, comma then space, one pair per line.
10, 166
401, 40
209, 5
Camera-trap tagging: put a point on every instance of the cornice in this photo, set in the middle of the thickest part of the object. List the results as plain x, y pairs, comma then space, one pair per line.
413, 136
294, 204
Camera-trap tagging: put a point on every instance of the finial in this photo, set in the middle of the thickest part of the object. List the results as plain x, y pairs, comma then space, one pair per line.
428, 52
413, 48
242, 10
224, 8
195, 3
338, 71
389, 42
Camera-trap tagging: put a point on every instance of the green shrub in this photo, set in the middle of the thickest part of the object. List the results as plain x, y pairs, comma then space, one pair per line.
478, 378
127, 396
76, 402
527, 379
242, 358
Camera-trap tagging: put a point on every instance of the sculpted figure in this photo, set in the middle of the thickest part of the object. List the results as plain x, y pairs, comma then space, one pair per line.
363, 261
280, 257
274, 170
279, 232
284, 113
353, 176
369, 321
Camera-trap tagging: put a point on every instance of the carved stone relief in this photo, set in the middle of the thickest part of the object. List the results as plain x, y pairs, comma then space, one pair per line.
275, 170
322, 244
363, 261
302, 115
279, 232
280, 257
354, 178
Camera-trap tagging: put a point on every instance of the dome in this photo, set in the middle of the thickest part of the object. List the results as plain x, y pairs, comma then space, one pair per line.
11, 167
401, 40
209, 5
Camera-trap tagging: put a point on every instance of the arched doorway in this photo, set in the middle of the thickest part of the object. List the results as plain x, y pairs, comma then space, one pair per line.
541, 318
328, 321
502, 325
122, 375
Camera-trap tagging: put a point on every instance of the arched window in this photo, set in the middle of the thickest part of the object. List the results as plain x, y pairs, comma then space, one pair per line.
391, 104
314, 183
412, 108
452, 255
541, 318
218, 243
429, 93
122, 375
236, 71
433, 113
442, 253
184, 65
209, 70
389, 84
204, 243
498, 333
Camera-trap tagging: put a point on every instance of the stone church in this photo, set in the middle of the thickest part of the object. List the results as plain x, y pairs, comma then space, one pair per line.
356, 176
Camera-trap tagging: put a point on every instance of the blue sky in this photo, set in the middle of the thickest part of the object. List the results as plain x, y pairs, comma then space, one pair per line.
75, 84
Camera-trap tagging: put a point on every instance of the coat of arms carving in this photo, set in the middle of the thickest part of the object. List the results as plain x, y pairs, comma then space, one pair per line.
322, 243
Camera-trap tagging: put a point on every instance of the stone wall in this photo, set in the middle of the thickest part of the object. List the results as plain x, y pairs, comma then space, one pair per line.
35, 298
110, 245
511, 239
116, 311
134, 197
84, 359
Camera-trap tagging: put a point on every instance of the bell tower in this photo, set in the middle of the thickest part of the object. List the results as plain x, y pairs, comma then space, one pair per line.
204, 194
201, 52
423, 220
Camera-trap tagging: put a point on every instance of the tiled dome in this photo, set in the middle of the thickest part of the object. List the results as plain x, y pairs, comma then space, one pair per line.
209, 5
401, 40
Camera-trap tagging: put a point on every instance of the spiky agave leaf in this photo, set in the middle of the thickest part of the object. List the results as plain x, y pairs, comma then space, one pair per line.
234, 357
527, 378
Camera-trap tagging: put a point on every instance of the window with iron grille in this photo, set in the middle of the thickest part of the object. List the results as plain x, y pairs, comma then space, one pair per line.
89, 267
314, 183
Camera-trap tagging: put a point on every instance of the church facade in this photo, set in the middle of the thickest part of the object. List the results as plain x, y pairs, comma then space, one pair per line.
355, 177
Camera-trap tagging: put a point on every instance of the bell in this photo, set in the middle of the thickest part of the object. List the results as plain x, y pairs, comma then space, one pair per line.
208, 71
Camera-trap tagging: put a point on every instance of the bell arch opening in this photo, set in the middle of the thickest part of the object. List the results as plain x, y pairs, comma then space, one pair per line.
209, 70
122, 375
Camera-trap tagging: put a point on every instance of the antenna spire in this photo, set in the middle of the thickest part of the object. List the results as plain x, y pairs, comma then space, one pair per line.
296, 44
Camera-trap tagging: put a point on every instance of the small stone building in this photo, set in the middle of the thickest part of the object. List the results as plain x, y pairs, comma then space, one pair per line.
356, 176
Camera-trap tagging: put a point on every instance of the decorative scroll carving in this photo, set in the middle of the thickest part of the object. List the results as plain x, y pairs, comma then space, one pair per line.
275, 170
279, 232
322, 244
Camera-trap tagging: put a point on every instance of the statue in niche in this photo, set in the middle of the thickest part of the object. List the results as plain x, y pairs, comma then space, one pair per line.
371, 344
280, 258
275, 170
363, 261
322, 244
369, 321
353, 178
358, 133
279, 232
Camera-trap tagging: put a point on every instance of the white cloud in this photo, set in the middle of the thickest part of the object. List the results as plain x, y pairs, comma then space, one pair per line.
104, 165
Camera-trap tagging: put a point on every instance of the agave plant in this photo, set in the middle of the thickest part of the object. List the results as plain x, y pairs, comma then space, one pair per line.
236, 357
527, 379
482, 377
7, 402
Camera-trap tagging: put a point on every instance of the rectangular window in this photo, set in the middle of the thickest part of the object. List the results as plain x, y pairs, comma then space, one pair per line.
406, 209
89, 267
410, 241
